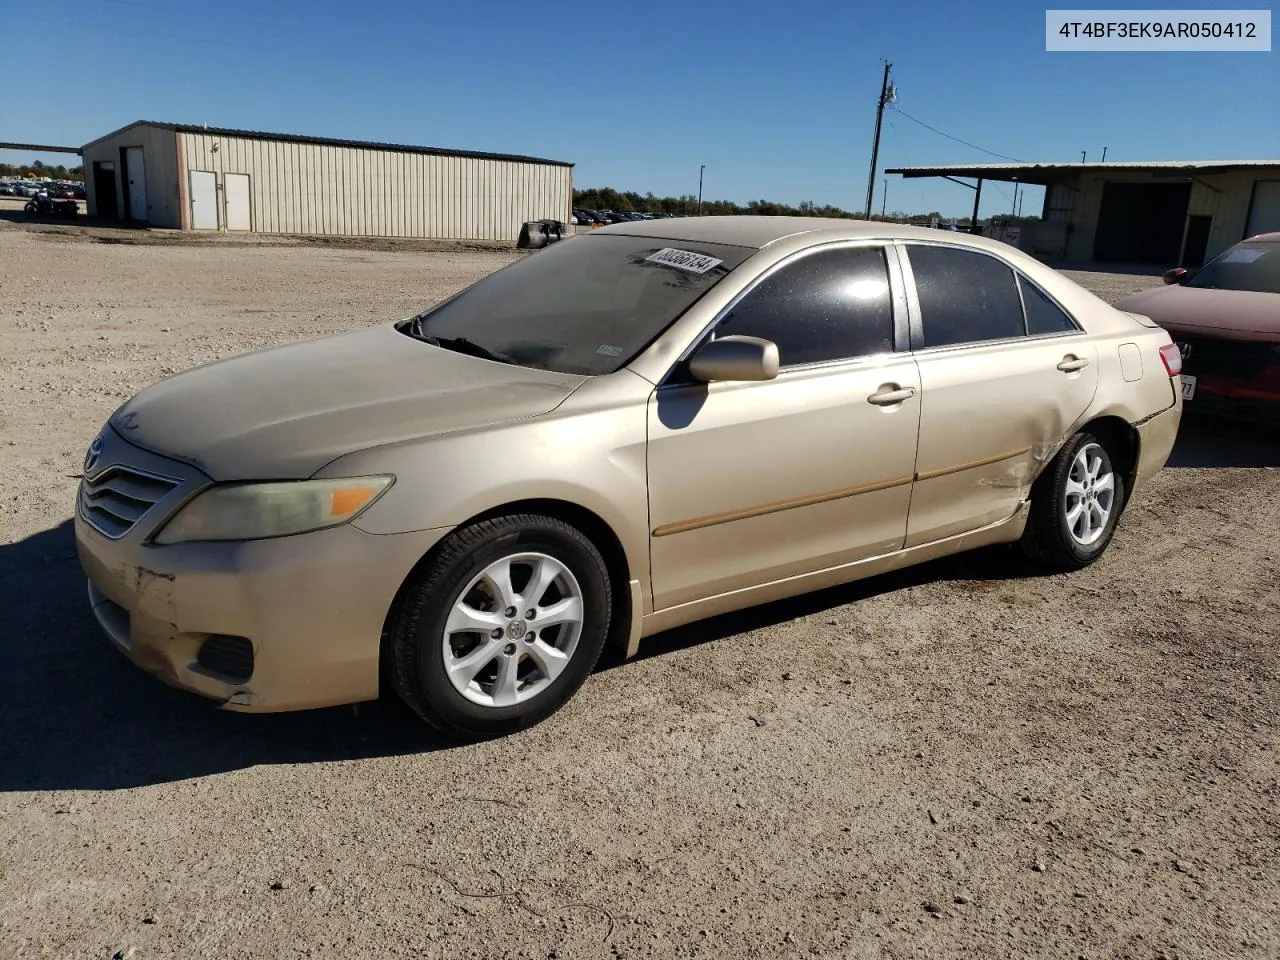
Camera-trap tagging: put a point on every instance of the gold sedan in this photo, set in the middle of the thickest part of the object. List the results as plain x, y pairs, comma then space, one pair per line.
629, 430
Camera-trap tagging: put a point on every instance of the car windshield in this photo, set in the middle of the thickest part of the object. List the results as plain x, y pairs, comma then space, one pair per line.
1253, 266
585, 305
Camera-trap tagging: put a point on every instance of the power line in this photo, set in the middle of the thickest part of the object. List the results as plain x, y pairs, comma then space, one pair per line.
897, 142
950, 137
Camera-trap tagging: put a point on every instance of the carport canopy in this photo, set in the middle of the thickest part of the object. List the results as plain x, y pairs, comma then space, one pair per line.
1044, 174
1047, 174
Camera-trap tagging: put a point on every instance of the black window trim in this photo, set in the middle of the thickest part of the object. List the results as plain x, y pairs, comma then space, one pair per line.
915, 313
899, 291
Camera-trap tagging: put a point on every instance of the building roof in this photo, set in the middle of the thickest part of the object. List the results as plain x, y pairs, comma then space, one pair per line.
747, 230
325, 141
1051, 172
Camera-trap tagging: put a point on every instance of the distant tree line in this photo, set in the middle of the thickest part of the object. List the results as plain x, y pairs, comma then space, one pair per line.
628, 201
41, 169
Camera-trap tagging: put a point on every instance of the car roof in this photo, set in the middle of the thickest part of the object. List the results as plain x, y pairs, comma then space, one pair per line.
1273, 236
760, 231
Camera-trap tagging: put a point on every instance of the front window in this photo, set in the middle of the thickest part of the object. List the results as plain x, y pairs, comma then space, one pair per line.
1252, 266
585, 305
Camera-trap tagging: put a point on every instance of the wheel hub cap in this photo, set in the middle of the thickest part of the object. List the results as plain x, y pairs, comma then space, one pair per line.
1090, 495
491, 656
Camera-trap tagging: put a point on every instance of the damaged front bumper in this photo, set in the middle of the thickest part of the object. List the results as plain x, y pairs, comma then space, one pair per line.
262, 625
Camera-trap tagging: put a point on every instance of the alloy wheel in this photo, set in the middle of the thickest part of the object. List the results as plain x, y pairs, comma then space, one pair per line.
513, 630
1090, 494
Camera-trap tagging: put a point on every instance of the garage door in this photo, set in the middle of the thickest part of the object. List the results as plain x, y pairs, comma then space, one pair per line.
1264, 215
1141, 222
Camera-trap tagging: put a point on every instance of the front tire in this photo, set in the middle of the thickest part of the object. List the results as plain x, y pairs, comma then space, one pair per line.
1075, 506
502, 627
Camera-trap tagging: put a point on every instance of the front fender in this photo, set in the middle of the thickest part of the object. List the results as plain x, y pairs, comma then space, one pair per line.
593, 459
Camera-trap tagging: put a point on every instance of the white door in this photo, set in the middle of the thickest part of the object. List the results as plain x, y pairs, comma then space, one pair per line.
204, 200
1265, 215
235, 186
137, 174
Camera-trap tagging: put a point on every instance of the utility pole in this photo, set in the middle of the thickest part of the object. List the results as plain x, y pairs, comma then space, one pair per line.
700, 169
1104, 154
1014, 211
1082, 156
875, 146
884, 198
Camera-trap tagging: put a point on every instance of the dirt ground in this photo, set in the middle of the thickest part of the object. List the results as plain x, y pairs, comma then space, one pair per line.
960, 760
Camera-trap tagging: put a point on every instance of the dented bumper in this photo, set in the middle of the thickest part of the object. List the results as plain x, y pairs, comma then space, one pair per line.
311, 607
262, 625
1156, 437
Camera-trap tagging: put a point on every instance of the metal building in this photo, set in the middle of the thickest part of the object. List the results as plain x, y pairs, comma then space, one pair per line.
206, 178
1169, 213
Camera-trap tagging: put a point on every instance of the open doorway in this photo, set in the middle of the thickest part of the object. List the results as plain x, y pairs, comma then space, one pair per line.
1141, 222
104, 189
1197, 240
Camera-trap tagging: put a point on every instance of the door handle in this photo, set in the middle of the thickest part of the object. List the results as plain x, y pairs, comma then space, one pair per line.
1070, 364
887, 398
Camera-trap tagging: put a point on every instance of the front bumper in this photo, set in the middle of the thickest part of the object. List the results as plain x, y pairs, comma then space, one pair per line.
312, 607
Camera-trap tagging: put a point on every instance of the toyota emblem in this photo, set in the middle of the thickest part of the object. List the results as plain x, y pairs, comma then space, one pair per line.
93, 453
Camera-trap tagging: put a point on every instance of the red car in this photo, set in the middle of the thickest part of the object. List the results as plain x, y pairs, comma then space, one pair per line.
1225, 318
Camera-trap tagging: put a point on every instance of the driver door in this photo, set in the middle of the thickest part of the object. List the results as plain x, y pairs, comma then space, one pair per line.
759, 481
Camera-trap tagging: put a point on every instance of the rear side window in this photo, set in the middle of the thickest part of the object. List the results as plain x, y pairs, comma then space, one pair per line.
831, 305
965, 297
1043, 315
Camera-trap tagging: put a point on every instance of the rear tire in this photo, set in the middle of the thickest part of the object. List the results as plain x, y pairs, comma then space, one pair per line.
513, 670
1075, 505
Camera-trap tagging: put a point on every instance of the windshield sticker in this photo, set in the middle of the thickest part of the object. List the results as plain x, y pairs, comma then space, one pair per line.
1242, 256
609, 350
684, 260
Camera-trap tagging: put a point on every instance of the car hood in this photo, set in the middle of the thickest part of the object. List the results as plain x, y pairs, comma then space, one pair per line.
1206, 312
285, 412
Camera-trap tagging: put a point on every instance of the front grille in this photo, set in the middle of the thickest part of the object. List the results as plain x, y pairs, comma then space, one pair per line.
116, 499
230, 656
1233, 359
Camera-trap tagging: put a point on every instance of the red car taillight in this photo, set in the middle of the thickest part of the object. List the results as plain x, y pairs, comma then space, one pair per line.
1172, 358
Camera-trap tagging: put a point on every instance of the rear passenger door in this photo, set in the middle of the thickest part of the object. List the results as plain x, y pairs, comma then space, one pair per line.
1004, 373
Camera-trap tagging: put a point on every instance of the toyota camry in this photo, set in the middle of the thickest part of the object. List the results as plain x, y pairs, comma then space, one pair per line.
625, 431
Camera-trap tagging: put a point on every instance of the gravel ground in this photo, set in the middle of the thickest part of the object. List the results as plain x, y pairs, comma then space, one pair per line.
960, 760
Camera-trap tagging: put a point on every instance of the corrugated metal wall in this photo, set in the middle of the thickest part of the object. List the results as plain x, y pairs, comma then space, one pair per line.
1224, 197
160, 160
350, 191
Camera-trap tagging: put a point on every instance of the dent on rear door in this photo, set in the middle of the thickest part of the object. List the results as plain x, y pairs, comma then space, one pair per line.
990, 416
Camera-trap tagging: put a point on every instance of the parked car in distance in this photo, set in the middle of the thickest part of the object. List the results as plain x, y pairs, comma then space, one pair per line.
1225, 318
687, 418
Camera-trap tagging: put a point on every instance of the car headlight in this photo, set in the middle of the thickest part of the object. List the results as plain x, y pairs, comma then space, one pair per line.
256, 511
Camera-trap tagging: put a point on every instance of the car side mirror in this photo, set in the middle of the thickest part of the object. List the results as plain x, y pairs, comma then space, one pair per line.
1174, 275
735, 358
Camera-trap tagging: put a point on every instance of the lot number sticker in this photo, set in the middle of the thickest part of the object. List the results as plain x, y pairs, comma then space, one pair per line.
684, 260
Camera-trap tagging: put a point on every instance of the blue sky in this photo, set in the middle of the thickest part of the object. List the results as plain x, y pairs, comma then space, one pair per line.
777, 100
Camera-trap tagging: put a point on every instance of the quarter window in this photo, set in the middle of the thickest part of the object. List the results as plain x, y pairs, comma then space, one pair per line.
1043, 315
965, 297
830, 305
